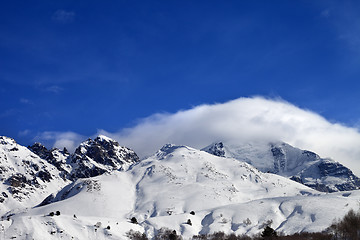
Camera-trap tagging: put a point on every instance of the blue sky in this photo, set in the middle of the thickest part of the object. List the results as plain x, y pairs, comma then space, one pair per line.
80, 66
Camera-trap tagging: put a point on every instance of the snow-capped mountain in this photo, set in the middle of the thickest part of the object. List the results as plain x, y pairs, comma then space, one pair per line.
96, 191
303, 166
185, 179
29, 175
92, 158
177, 186
103, 154
25, 178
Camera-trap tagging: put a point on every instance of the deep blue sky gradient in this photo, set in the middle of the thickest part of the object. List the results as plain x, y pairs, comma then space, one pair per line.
86, 65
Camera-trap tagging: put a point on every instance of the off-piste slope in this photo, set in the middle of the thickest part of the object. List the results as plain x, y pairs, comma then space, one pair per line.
84, 209
176, 186
303, 166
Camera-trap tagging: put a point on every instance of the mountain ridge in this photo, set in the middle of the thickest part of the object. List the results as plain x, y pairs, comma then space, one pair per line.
303, 166
174, 185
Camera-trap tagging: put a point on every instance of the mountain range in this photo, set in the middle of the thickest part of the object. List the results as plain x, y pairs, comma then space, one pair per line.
97, 191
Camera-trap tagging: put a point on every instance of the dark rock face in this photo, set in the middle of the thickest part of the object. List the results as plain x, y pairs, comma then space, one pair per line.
302, 166
107, 152
337, 170
91, 158
216, 149
19, 182
83, 171
334, 169
51, 156
41, 151
279, 159
316, 172
95, 157
297, 179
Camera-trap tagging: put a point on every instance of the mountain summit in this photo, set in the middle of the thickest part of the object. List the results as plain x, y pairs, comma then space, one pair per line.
93, 157
103, 190
303, 166
25, 178
103, 154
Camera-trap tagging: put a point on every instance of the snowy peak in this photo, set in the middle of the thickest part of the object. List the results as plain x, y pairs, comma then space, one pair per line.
289, 160
299, 165
310, 169
179, 187
6, 140
103, 138
216, 149
167, 150
93, 157
25, 177
179, 179
103, 154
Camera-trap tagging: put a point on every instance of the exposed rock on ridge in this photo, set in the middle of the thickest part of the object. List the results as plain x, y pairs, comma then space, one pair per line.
95, 157
25, 177
303, 166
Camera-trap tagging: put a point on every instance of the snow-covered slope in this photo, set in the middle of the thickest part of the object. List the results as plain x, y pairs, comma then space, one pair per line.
82, 210
300, 165
185, 179
176, 184
25, 178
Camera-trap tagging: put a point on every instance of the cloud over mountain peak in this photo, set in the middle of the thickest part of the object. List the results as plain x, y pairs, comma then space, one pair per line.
242, 120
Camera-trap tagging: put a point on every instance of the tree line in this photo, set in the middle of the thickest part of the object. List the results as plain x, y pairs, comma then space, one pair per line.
347, 228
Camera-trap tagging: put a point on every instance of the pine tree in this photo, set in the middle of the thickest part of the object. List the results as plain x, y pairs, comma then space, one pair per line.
268, 233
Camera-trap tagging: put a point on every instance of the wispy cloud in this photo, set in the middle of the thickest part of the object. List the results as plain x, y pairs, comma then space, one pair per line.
345, 20
25, 101
25, 132
54, 89
70, 140
63, 16
240, 120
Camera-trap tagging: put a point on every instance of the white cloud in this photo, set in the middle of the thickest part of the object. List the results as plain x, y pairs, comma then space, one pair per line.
245, 119
70, 140
240, 120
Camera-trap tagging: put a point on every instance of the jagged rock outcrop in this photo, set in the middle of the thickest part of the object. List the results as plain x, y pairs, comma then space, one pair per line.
54, 156
92, 158
103, 154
